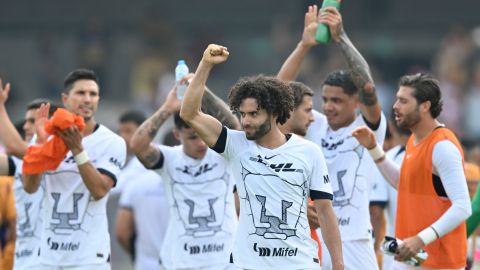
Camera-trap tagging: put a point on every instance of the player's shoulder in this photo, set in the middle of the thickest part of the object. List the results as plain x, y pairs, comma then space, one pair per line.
301, 144
105, 134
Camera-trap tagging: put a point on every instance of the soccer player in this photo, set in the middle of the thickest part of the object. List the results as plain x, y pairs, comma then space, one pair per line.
351, 169
199, 187
275, 173
75, 231
143, 213
29, 220
433, 201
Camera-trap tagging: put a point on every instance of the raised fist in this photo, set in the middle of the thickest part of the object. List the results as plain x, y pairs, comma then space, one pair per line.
215, 54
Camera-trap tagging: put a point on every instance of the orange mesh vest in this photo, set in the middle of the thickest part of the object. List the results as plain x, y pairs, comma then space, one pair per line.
419, 206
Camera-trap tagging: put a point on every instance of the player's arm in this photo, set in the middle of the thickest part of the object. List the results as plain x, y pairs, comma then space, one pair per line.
5, 165
125, 228
99, 184
216, 107
389, 169
141, 142
207, 127
291, 67
360, 71
330, 232
377, 218
8, 134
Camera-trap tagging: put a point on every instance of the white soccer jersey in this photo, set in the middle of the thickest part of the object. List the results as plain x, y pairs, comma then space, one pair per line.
75, 229
29, 222
202, 213
384, 192
273, 186
350, 168
144, 195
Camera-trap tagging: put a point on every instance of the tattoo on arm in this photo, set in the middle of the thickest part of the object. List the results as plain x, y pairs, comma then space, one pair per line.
150, 158
153, 124
359, 69
216, 107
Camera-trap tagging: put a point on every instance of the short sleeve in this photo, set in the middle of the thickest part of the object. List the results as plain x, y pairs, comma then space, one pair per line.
127, 196
113, 159
320, 186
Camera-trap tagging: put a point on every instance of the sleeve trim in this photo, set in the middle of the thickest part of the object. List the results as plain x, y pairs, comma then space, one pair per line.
109, 174
320, 195
221, 143
11, 166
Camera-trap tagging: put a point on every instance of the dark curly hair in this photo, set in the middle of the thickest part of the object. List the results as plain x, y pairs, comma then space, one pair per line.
271, 94
426, 88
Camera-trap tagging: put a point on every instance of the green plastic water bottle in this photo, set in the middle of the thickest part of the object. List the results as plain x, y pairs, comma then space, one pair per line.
323, 32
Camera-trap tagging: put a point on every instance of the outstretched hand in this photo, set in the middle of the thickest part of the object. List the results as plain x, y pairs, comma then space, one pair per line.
310, 26
365, 137
41, 117
4, 91
332, 17
215, 54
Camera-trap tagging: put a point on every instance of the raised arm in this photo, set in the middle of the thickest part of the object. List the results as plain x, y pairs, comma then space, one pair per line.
8, 134
216, 107
291, 67
360, 71
141, 142
207, 127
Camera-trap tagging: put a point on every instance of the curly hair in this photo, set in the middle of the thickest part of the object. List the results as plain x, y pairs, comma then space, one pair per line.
270, 93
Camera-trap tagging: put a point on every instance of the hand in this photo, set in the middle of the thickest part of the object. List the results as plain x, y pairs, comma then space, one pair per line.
41, 117
409, 248
312, 217
72, 138
172, 103
365, 137
4, 92
310, 26
331, 17
215, 54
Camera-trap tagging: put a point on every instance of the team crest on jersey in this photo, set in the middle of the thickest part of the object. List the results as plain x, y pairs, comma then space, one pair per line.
26, 228
66, 221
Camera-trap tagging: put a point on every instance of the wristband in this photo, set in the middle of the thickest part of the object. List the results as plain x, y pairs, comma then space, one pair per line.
428, 235
81, 158
376, 153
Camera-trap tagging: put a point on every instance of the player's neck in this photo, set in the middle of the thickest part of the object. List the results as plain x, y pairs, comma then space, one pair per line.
424, 128
272, 139
89, 127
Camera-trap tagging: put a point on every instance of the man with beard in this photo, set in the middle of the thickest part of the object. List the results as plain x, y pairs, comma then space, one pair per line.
275, 172
352, 171
75, 230
433, 201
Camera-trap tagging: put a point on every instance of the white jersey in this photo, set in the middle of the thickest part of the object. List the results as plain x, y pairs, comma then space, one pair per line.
29, 221
145, 197
383, 192
350, 167
75, 229
202, 220
273, 186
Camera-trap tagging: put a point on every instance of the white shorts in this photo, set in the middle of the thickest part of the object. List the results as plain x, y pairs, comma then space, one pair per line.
228, 266
396, 265
357, 254
103, 266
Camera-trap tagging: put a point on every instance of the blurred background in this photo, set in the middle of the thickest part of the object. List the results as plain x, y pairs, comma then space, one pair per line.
134, 45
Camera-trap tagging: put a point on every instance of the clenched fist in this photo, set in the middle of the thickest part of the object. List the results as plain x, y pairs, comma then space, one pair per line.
215, 54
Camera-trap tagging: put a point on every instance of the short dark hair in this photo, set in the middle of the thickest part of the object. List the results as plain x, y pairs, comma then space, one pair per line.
179, 122
343, 79
76, 75
134, 116
271, 94
36, 103
425, 88
299, 90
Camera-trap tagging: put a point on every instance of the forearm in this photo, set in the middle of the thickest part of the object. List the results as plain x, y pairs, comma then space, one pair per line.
98, 184
192, 100
144, 135
390, 170
9, 135
31, 182
330, 233
377, 218
216, 107
290, 69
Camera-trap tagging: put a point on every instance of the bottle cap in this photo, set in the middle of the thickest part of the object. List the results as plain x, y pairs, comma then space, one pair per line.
181, 62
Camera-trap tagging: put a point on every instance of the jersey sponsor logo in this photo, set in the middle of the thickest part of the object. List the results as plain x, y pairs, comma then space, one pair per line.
275, 251
64, 246
277, 167
198, 171
326, 179
343, 221
65, 222
202, 249
270, 157
20, 254
331, 146
115, 162
69, 159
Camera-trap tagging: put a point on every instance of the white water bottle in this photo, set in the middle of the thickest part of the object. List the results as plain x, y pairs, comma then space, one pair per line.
181, 71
